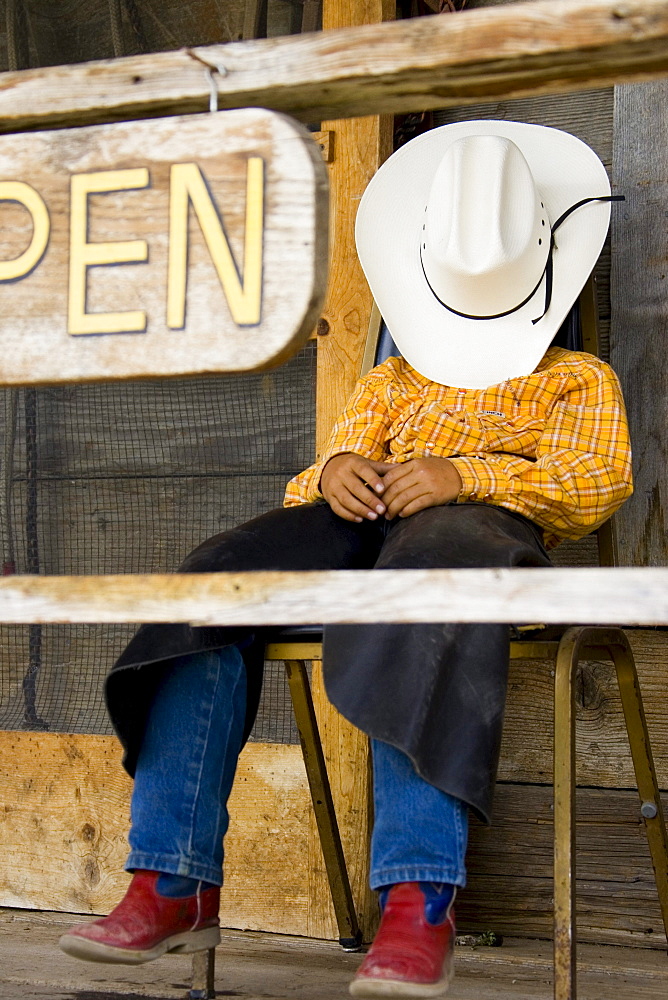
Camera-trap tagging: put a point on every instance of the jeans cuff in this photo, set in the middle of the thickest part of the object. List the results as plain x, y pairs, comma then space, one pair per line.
172, 864
426, 873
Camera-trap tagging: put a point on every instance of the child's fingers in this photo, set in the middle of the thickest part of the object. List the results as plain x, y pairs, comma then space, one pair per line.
368, 472
408, 500
352, 507
351, 486
361, 499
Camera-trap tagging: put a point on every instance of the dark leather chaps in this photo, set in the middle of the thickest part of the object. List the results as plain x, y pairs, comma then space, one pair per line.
437, 691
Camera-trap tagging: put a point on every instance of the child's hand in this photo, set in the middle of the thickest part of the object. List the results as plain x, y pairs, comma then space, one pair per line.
352, 484
419, 483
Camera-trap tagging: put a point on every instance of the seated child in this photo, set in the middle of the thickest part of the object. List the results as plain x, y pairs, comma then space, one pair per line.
481, 446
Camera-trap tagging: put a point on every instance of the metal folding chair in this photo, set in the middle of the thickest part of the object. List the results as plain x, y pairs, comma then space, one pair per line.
297, 647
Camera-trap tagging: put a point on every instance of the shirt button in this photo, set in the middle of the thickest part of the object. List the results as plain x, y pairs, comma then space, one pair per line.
487, 497
473, 496
430, 444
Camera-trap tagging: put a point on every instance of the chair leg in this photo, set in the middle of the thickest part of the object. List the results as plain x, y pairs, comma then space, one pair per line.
565, 959
203, 970
643, 764
350, 936
615, 644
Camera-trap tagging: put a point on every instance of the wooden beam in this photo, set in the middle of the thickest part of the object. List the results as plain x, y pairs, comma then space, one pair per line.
590, 595
485, 54
360, 146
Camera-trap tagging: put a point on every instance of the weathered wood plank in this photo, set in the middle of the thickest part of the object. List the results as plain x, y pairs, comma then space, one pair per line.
510, 869
206, 214
64, 821
640, 313
361, 145
583, 595
65, 818
602, 746
479, 55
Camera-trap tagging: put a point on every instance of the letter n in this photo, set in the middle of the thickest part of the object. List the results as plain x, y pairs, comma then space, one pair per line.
244, 295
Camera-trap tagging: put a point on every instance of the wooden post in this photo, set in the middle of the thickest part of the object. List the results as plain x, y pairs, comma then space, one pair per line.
639, 293
360, 146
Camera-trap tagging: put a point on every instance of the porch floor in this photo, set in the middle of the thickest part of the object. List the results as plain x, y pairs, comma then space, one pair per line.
254, 966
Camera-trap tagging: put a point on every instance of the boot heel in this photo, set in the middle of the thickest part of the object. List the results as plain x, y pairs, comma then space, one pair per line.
192, 941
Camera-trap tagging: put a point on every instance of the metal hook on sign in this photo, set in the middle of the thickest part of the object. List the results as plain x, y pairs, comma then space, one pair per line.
213, 86
211, 69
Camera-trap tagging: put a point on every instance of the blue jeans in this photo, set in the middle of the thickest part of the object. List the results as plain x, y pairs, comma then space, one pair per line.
186, 768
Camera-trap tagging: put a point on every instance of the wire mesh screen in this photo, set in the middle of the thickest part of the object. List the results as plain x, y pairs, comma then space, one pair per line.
128, 478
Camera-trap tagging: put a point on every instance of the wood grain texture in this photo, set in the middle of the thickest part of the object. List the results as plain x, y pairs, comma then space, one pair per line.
65, 817
178, 317
579, 596
640, 313
602, 746
360, 146
479, 55
510, 866
64, 823
267, 858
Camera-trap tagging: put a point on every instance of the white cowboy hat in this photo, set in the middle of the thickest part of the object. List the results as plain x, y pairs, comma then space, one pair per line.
461, 237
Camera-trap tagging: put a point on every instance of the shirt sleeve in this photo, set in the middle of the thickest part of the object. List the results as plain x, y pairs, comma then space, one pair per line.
582, 471
362, 428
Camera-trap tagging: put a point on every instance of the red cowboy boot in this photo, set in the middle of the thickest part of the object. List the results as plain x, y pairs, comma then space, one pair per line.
410, 956
146, 925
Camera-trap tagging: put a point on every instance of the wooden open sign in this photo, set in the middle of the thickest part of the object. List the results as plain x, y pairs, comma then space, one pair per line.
164, 247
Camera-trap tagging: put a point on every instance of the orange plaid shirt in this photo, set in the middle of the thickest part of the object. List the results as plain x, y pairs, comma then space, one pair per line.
553, 445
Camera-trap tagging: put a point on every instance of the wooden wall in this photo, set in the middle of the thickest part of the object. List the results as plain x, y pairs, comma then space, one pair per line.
640, 312
65, 818
510, 887
66, 803
65, 810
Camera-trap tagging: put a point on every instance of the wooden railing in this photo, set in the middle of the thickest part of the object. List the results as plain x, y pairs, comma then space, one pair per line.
479, 55
506, 51
591, 595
